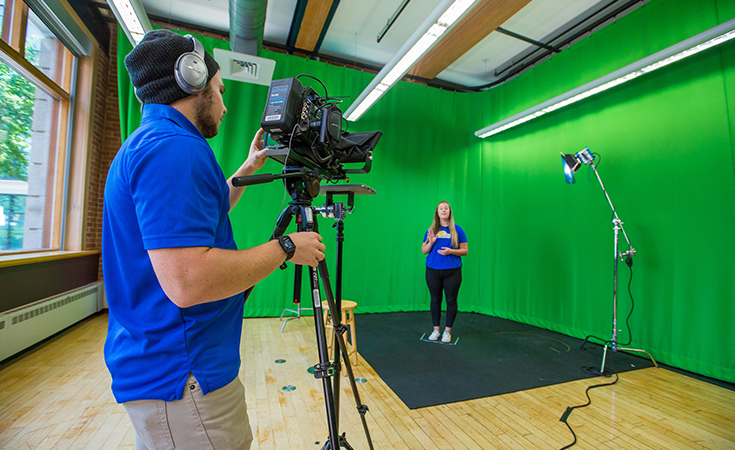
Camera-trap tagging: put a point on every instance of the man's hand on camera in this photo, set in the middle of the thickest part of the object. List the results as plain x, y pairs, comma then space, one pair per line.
309, 248
256, 156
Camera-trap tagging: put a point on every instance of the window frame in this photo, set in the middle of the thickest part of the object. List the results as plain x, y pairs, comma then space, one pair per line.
75, 117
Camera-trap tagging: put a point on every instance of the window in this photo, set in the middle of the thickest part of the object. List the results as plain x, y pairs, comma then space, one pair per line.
34, 65
44, 50
28, 120
2, 14
16, 103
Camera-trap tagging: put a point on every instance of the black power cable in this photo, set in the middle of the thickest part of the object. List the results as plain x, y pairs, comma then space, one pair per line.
565, 416
629, 262
569, 409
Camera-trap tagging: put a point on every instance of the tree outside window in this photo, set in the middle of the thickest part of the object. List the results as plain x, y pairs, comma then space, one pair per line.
17, 98
36, 72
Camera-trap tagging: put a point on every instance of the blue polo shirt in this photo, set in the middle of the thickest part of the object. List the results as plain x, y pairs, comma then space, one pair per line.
165, 190
444, 239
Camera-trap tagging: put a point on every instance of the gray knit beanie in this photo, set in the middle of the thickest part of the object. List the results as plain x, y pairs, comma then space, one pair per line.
152, 62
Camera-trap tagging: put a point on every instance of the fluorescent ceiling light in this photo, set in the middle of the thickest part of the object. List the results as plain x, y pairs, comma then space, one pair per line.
421, 41
368, 101
132, 17
454, 12
710, 38
405, 64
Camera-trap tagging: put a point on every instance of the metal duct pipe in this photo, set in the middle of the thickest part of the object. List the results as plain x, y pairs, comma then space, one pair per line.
247, 19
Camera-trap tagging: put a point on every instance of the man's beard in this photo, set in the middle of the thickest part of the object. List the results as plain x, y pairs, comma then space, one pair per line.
205, 122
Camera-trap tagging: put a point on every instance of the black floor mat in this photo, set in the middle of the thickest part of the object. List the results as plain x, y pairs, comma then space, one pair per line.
489, 356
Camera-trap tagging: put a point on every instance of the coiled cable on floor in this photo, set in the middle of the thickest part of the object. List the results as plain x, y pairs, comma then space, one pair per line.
569, 409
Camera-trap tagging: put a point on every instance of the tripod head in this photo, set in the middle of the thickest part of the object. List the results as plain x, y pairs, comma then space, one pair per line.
301, 183
303, 187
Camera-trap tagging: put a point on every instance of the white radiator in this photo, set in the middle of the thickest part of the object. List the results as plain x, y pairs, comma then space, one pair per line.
29, 324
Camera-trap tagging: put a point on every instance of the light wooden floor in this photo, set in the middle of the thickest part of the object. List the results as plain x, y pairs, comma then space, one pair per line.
57, 396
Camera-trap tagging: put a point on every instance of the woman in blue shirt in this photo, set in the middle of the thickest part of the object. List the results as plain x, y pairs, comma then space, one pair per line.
444, 244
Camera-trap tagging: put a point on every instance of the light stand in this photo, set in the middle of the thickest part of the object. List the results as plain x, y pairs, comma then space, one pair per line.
296, 299
572, 163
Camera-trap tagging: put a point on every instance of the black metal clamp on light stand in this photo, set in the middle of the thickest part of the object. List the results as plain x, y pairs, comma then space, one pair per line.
303, 186
572, 163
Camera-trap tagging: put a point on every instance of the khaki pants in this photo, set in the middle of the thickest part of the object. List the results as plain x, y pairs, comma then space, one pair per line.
217, 421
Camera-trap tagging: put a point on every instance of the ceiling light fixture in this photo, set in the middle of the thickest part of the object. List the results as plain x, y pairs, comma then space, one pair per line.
131, 16
710, 38
421, 41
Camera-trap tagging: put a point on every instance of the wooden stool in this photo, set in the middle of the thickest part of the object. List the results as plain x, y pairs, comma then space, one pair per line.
348, 318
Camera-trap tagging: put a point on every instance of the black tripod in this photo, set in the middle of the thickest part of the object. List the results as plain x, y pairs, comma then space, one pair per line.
303, 187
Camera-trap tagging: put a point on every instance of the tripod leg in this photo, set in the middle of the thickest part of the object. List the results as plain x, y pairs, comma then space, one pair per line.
329, 323
283, 221
604, 356
298, 316
339, 329
336, 317
297, 284
323, 369
309, 223
639, 351
361, 408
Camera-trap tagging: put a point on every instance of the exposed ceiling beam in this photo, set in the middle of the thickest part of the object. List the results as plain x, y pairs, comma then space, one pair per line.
484, 18
314, 21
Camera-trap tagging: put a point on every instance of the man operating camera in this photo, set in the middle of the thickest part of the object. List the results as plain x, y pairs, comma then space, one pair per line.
174, 279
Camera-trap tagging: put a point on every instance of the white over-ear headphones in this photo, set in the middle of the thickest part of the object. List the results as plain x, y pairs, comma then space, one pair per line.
191, 71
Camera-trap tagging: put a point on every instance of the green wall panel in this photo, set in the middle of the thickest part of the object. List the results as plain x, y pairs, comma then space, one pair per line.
653, 133
540, 251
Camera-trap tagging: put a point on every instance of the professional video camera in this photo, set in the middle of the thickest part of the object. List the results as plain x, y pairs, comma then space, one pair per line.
308, 129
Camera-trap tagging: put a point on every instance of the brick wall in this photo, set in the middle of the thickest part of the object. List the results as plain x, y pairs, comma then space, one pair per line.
105, 140
94, 195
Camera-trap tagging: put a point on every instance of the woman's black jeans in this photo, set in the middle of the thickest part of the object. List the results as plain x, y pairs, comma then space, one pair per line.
445, 281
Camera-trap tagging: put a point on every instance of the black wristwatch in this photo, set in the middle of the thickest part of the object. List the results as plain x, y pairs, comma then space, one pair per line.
288, 246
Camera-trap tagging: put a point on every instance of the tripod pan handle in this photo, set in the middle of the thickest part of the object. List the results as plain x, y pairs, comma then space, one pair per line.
253, 179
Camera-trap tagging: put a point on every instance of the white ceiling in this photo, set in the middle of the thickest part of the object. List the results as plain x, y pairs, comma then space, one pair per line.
352, 34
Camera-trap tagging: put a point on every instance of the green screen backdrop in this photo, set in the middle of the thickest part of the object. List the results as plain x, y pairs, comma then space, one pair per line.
540, 251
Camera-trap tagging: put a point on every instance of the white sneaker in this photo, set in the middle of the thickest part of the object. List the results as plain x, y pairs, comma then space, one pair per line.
446, 337
434, 336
